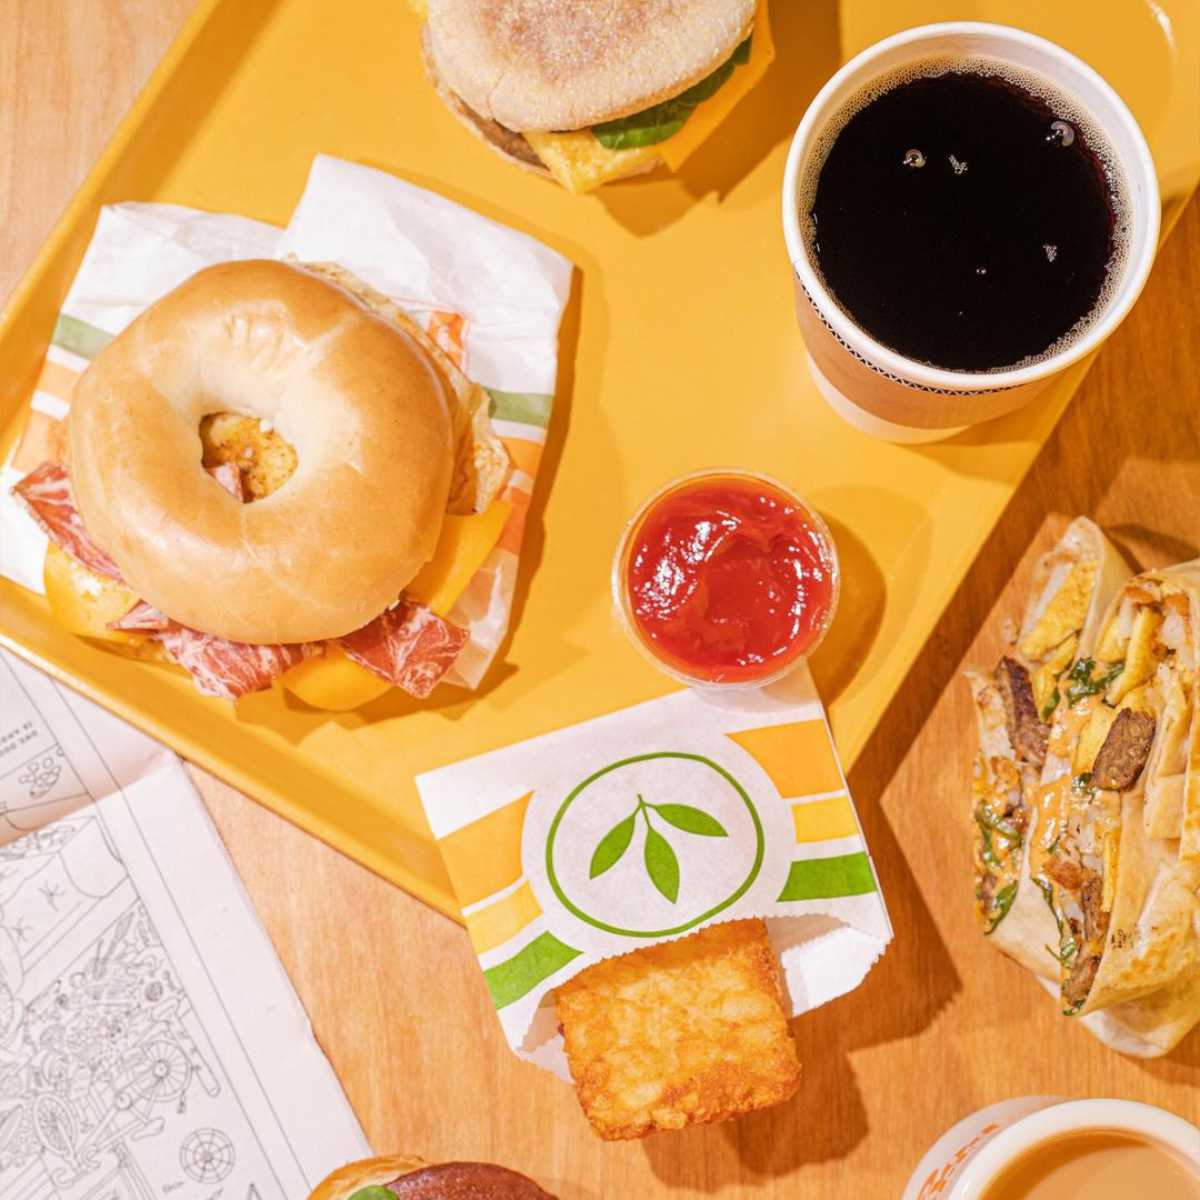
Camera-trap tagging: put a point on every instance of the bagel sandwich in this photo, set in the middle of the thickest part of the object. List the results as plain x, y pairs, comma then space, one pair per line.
273, 473
589, 93
414, 1179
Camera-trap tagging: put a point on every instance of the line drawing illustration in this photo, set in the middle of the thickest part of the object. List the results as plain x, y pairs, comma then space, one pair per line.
111, 1087
99, 1051
207, 1156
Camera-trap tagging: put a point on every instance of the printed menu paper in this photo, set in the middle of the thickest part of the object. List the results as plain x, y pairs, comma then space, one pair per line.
647, 824
150, 1043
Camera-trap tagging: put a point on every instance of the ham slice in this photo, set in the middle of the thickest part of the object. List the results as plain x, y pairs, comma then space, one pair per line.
142, 618
409, 645
217, 667
230, 478
229, 669
46, 495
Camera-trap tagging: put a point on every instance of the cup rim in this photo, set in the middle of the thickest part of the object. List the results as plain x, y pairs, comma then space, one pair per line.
620, 597
1070, 1116
922, 375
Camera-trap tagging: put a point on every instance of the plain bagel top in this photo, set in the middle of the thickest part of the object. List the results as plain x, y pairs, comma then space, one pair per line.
358, 399
537, 65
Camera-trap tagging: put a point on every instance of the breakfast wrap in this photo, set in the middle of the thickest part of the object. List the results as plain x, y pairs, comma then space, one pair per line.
1014, 706
1113, 803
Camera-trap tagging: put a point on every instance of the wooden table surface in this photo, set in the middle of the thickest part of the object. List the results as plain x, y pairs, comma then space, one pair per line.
943, 1026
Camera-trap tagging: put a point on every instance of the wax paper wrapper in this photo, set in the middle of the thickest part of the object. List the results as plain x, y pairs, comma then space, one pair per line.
491, 297
646, 825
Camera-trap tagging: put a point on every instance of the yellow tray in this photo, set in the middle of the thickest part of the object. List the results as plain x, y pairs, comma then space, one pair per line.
679, 350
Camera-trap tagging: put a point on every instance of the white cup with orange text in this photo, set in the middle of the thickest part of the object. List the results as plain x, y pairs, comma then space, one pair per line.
884, 392
1018, 1146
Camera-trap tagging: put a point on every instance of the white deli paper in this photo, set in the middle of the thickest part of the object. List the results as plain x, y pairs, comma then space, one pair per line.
491, 297
150, 1042
647, 824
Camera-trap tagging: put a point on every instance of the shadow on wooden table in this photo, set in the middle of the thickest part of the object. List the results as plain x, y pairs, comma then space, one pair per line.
900, 997
860, 610
1148, 413
1115, 421
807, 52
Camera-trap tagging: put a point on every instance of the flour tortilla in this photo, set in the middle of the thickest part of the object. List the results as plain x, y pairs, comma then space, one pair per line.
1153, 938
1029, 933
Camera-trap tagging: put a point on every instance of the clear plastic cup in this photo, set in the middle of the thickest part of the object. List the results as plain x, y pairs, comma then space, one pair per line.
773, 671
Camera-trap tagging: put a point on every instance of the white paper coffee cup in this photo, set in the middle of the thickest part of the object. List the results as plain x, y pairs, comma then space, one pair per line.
970, 1155
881, 391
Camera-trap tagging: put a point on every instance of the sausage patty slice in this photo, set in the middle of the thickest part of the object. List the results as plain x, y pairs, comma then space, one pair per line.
1121, 758
1026, 729
1078, 984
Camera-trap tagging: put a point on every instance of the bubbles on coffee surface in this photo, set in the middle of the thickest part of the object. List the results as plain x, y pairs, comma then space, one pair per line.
971, 217
1062, 133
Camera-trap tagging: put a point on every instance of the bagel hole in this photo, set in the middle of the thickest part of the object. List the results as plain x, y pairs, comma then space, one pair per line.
264, 458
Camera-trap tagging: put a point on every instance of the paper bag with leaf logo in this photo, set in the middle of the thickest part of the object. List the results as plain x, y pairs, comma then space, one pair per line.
646, 825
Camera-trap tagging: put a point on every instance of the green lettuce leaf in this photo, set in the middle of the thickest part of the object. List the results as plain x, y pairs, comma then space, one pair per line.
668, 117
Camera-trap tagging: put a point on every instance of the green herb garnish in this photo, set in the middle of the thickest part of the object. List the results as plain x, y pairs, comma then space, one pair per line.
1080, 683
667, 118
1051, 704
1002, 903
1082, 784
987, 851
1067, 950
1009, 835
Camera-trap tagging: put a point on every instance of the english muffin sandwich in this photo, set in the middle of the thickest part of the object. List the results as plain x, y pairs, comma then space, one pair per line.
404, 1176
589, 92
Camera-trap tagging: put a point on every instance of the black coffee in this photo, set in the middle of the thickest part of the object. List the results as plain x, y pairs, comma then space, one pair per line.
964, 222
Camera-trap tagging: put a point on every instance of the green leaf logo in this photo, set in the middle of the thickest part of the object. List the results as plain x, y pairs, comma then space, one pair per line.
691, 820
613, 846
661, 864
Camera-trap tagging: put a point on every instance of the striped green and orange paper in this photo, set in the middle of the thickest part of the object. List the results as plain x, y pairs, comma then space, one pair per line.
648, 824
491, 297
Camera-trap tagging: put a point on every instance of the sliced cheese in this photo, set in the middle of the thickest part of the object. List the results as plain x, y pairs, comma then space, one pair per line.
580, 163
465, 542
336, 683
420, 7
333, 682
676, 150
84, 602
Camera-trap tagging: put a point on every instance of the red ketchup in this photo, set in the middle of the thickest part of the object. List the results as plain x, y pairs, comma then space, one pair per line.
728, 579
